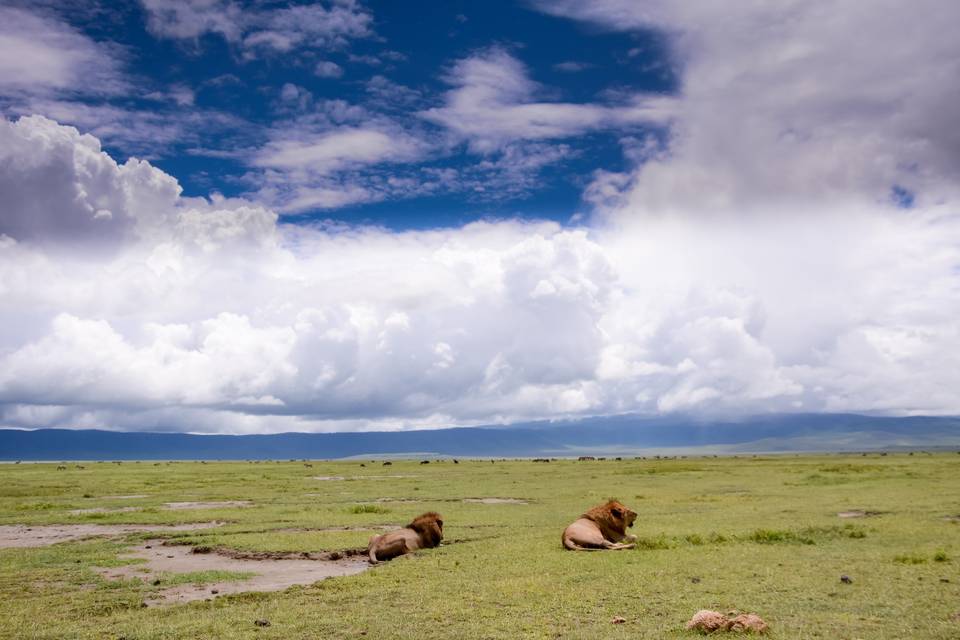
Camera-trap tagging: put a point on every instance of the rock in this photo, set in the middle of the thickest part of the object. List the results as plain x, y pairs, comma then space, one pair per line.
618, 620
262, 622
214, 591
845, 579
695, 580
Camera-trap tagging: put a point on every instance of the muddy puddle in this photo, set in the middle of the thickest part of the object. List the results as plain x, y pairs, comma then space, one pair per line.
179, 506
18, 535
274, 572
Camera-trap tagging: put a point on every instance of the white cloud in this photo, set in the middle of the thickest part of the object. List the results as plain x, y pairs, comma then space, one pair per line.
494, 103
572, 66
206, 315
752, 262
39, 54
257, 31
799, 101
305, 169
327, 69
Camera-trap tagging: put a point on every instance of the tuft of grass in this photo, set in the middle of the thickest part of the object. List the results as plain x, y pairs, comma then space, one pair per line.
771, 536
367, 508
651, 543
941, 556
908, 558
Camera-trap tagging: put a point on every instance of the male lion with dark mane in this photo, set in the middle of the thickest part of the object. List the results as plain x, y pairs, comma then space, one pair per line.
603, 527
425, 532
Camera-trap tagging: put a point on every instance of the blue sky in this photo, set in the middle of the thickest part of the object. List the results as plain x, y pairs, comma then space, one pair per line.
391, 64
218, 216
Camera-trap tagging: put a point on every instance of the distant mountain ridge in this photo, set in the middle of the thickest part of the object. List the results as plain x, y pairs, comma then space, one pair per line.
620, 435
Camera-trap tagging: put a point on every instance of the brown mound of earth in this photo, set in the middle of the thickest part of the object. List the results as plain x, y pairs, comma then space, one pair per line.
274, 571
20, 535
706, 621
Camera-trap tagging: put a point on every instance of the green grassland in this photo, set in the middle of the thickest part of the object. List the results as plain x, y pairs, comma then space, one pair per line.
758, 534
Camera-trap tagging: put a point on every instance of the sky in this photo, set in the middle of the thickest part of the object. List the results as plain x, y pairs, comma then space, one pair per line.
254, 217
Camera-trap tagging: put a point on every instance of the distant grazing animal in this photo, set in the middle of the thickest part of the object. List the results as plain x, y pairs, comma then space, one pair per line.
603, 527
425, 532
585, 458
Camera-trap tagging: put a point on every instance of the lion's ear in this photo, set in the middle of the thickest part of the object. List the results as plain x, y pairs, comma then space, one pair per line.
617, 512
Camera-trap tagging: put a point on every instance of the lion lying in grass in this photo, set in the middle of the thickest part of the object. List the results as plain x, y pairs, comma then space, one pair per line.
603, 527
425, 532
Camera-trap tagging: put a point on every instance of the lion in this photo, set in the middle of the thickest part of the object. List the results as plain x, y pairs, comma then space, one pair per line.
425, 532
603, 527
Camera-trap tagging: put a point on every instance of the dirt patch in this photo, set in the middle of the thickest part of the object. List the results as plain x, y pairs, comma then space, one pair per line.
19, 535
105, 510
275, 572
955, 518
859, 513
385, 527
178, 506
134, 496
333, 478
496, 500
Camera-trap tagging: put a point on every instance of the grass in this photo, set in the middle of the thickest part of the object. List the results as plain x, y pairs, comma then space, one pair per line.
754, 534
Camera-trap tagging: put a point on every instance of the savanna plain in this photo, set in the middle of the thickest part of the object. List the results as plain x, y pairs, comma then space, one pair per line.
771, 535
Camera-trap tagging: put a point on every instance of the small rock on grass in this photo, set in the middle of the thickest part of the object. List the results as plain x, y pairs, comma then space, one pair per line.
618, 620
846, 579
262, 622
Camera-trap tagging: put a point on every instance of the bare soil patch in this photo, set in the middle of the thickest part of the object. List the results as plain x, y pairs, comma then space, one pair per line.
384, 527
334, 478
20, 535
105, 510
275, 571
178, 506
859, 513
497, 500
134, 496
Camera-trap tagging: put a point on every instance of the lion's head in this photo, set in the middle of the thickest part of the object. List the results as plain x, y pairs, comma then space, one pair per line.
613, 516
429, 526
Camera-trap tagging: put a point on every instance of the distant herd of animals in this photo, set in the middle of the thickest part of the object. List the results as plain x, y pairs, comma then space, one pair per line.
602, 527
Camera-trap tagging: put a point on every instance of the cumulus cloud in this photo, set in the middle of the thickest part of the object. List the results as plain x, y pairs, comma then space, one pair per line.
207, 315
757, 258
799, 102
